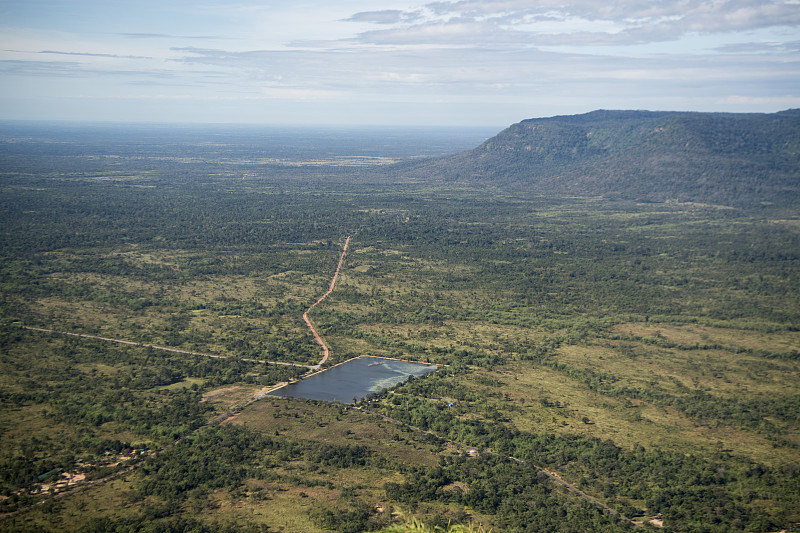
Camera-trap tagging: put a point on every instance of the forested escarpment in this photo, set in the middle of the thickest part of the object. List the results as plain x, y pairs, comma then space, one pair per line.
647, 353
721, 158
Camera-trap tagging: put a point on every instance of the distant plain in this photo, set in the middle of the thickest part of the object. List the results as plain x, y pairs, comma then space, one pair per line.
647, 352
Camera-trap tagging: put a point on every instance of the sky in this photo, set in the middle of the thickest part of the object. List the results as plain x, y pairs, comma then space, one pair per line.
384, 62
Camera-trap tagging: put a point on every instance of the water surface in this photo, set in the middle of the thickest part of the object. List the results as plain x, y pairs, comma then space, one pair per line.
355, 378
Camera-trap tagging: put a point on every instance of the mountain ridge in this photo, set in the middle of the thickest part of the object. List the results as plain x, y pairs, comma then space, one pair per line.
725, 158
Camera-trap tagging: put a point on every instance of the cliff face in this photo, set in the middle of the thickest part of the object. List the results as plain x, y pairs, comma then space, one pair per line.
732, 159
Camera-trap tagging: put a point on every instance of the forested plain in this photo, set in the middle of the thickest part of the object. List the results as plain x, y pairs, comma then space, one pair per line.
645, 353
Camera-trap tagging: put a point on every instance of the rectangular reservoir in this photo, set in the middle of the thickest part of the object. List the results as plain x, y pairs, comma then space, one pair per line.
355, 378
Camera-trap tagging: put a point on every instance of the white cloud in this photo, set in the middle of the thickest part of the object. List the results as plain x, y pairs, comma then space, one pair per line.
301, 94
387, 16
91, 54
783, 102
768, 47
466, 57
169, 36
585, 22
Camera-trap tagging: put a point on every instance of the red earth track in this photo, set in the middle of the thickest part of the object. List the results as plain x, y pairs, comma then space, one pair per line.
325, 351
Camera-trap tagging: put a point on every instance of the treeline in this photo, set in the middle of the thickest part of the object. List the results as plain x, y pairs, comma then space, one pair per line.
520, 498
755, 413
227, 456
99, 390
551, 257
77, 214
691, 492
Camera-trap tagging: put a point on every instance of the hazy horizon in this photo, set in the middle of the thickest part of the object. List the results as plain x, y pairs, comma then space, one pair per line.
469, 62
187, 125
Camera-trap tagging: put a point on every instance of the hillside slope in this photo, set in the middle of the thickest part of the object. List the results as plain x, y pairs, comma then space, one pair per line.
723, 158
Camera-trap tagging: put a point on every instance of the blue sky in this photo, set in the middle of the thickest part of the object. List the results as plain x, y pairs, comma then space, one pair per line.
354, 62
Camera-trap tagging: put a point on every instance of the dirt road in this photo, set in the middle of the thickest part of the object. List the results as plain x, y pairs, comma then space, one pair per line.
164, 348
325, 351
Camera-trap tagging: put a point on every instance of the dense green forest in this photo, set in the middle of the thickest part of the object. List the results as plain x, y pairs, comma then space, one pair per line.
741, 159
645, 353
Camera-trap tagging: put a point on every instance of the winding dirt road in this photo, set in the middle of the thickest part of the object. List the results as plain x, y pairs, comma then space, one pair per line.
325, 351
233, 411
163, 348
